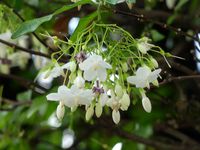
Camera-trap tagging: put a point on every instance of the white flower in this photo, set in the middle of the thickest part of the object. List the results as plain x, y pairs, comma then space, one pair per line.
115, 116
143, 45
94, 67
103, 99
59, 70
72, 97
125, 101
79, 82
146, 103
144, 77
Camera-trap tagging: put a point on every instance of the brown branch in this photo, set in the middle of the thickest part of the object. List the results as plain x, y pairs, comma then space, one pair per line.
141, 17
180, 78
107, 125
24, 82
24, 49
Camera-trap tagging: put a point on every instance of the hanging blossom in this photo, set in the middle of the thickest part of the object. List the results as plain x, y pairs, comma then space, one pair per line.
58, 70
143, 45
144, 77
146, 103
94, 67
119, 100
72, 97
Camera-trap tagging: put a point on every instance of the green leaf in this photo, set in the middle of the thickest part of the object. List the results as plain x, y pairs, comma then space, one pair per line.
68, 7
83, 23
30, 26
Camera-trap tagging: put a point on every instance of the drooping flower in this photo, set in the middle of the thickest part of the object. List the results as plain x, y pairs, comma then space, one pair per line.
79, 82
144, 77
117, 103
58, 70
72, 97
94, 67
143, 45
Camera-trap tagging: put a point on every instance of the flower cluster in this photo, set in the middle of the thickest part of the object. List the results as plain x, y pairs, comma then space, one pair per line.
103, 71
93, 70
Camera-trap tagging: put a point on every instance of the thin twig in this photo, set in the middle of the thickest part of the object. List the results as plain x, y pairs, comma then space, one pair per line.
24, 82
24, 49
141, 17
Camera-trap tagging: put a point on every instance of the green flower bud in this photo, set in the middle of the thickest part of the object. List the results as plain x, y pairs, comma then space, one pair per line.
89, 113
98, 110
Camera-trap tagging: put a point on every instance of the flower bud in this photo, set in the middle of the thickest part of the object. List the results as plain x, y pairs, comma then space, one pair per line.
115, 116
98, 110
154, 63
118, 90
103, 99
155, 83
125, 101
124, 67
72, 66
60, 111
79, 82
146, 103
89, 113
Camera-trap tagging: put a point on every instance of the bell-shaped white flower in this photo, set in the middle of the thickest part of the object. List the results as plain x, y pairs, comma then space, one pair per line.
144, 77
143, 45
115, 116
118, 90
72, 97
79, 82
146, 103
103, 99
60, 111
59, 70
94, 67
125, 101
62, 96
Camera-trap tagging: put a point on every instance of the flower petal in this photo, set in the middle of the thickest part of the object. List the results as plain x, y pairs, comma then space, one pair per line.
154, 75
102, 74
90, 74
53, 97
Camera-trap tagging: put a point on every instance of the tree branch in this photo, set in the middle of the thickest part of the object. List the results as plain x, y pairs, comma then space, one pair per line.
24, 82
